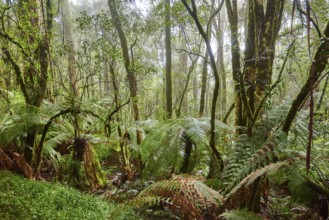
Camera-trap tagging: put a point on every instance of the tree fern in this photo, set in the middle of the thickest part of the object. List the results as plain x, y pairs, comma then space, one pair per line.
252, 152
53, 141
163, 149
241, 192
18, 120
192, 198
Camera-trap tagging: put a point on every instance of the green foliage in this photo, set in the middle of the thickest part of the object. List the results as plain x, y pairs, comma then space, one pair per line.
242, 191
241, 214
18, 120
162, 150
26, 199
300, 192
251, 153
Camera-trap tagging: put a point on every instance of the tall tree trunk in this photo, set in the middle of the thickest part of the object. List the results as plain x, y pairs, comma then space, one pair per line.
232, 14
116, 101
106, 76
270, 25
220, 64
204, 79
183, 78
32, 74
168, 58
68, 38
128, 65
212, 143
195, 93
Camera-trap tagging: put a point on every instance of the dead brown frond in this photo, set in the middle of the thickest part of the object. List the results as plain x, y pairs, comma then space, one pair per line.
185, 195
23, 166
5, 162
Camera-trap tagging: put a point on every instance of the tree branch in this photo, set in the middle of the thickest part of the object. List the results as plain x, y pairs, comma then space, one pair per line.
320, 61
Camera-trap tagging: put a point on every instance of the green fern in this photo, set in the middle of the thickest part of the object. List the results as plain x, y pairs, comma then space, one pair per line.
241, 192
162, 150
251, 153
18, 121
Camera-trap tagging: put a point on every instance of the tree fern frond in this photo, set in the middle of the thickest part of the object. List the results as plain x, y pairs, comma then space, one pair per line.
240, 193
252, 152
148, 125
240, 214
191, 197
18, 121
56, 139
166, 144
167, 154
147, 201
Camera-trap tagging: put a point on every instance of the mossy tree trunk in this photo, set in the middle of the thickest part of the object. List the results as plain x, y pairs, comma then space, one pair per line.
33, 43
232, 14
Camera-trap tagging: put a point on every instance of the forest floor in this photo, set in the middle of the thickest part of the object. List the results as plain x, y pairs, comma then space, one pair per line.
21, 198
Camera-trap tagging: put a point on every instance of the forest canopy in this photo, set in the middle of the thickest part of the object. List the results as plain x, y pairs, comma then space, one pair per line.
169, 109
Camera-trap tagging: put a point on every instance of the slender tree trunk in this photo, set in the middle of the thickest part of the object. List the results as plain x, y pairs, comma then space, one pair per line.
168, 58
204, 79
195, 93
320, 62
106, 76
221, 67
232, 14
68, 38
127, 63
212, 143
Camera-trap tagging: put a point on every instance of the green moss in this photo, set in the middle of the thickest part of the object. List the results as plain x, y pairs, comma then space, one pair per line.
25, 199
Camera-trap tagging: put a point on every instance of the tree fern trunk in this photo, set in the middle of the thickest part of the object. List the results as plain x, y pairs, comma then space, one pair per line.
187, 154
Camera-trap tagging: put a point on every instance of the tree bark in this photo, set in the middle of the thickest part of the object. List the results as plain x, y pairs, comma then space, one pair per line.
127, 63
212, 143
221, 67
204, 79
232, 14
320, 61
265, 49
168, 58
32, 74
68, 38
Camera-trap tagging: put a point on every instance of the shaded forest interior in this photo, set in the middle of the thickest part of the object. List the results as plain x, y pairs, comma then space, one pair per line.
165, 109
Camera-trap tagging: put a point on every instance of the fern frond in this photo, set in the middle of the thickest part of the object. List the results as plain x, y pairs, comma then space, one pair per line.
163, 149
18, 121
148, 125
240, 193
147, 201
241, 214
251, 153
191, 197
56, 139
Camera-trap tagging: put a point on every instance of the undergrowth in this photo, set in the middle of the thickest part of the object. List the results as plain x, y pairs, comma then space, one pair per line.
25, 199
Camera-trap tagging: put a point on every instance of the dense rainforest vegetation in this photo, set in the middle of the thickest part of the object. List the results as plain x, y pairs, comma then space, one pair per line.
164, 109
